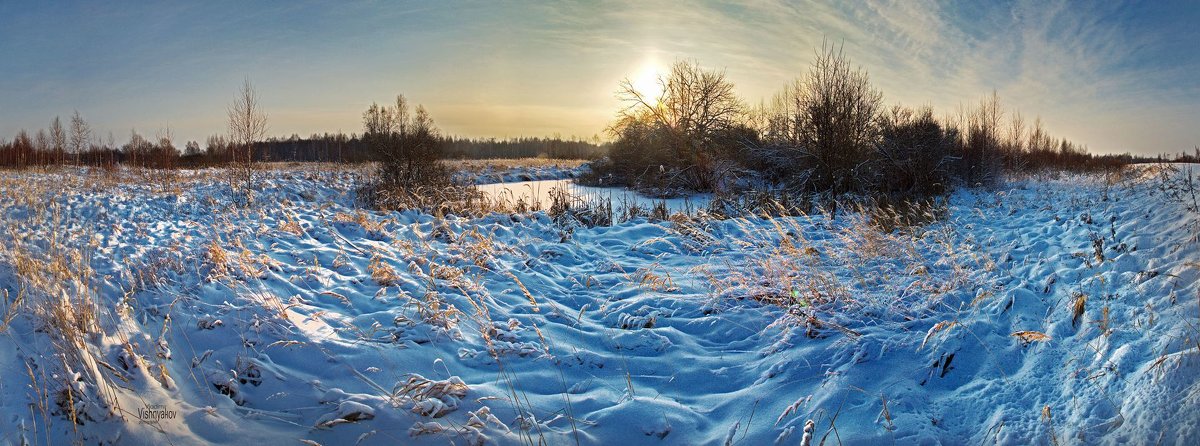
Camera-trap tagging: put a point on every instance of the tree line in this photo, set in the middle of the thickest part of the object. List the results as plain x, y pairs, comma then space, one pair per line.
76, 144
827, 131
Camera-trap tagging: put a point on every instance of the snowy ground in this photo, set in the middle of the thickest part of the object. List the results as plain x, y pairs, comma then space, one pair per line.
1051, 311
539, 193
515, 170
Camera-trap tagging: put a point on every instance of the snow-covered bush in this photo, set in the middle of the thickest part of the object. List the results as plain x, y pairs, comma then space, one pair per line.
409, 150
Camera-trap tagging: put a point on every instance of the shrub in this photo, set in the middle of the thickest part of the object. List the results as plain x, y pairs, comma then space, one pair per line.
678, 140
822, 129
980, 148
913, 153
407, 148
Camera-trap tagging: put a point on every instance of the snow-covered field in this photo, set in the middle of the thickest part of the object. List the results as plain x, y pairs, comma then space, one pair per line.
142, 310
539, 193
515, 170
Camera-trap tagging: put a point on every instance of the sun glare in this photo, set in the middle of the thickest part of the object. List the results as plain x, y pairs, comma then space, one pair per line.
647, 83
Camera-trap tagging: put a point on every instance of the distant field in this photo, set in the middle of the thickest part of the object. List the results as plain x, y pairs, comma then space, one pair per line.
513, 163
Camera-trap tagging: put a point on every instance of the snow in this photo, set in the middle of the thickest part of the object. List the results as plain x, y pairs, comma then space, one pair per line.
513, 171
307, 318
538, 194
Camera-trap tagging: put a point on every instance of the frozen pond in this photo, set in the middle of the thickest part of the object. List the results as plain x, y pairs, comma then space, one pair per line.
621, 198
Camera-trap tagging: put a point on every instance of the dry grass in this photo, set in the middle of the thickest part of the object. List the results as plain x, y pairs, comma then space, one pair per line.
524, 290
382, 272
1077, 309
290, 225
419, 388
869, 263
1049, 419
56, 291
1028, 336
937, 328
851, 264
11, 306
52, 267
647, 279
1105, 323
361, 218
218, 258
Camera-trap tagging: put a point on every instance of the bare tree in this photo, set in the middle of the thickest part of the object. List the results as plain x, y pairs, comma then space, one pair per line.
407, 147
137, 149
217, 147
164, 151
41, 146
1039, 140
982, 146
81, 135
20, 150
914, 153
684, 129
1015, 145
247, 125
110, 147
58, 140
827, 123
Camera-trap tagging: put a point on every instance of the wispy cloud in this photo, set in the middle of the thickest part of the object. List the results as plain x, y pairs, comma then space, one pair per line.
1113, 75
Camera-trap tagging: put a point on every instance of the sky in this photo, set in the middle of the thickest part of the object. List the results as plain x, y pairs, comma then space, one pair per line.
1114, 76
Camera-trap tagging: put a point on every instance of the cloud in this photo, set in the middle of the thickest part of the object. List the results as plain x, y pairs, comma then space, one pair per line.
1078, 65
488, 68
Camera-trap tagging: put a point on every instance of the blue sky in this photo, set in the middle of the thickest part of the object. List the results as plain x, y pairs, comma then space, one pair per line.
1114, 76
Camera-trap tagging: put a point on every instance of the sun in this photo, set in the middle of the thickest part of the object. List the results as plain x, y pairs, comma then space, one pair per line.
647, 84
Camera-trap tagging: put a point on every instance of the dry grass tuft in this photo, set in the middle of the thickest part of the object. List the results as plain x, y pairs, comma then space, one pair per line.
1027, 337
938, 327
290, 225
382, 272
431, 398
524, 290
1049, 419
1078, 308
1105, 322
218, 258
420, 388
363, 219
